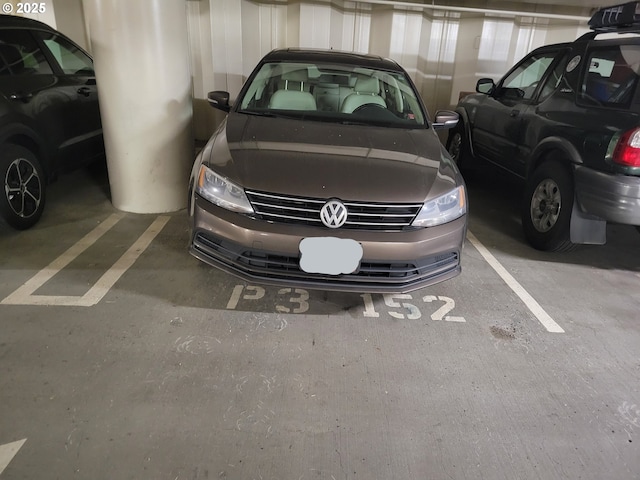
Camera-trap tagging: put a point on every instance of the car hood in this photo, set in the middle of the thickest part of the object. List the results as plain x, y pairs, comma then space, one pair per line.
329, 160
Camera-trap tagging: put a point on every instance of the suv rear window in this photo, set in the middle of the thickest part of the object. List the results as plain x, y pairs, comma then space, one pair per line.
612, 76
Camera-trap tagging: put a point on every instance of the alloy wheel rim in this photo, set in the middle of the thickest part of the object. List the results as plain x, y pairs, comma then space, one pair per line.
23, 188
546, 203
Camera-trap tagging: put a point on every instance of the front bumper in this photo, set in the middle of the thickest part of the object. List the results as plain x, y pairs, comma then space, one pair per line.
612, 197
266, 252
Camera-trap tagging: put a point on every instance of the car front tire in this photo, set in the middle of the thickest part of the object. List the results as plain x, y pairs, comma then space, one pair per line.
457, 145
23, 187
547, 206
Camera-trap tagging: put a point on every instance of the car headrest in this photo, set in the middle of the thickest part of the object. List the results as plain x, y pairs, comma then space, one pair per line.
367, 85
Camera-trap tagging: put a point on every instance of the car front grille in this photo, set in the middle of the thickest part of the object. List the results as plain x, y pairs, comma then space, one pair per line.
306, 211
277, 268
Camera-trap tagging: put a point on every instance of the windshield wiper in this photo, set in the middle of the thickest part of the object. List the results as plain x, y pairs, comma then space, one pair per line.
273, 114
259, 114
356, 122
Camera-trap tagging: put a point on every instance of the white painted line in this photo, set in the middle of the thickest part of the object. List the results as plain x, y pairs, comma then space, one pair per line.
8, 451
111, 276
518, 289
22, 294
25, 294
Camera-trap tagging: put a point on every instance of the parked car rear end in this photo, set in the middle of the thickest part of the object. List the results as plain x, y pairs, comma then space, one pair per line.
566, 118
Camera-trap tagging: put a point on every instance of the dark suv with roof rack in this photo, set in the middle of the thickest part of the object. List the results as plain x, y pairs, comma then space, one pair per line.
566, 119
49, 115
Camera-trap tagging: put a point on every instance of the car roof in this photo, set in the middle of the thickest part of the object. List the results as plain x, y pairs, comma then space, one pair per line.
12, 21
331, 56
552, 46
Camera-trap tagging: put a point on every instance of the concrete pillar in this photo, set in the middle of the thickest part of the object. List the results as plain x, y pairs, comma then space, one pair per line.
381, 30
141, 57
466, 58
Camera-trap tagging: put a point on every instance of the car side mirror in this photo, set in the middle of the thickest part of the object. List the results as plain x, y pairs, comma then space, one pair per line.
485, 85
445, 119
219, 100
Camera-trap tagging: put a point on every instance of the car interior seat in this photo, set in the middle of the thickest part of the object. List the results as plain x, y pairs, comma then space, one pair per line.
366, 91
293, 92
595, 87
295, 80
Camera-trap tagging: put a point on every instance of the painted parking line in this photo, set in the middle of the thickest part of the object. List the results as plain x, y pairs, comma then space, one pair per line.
25, 294
531, 303
8, 451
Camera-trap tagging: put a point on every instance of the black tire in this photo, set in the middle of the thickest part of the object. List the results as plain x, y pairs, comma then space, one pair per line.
457, 145
23, 196
547, 206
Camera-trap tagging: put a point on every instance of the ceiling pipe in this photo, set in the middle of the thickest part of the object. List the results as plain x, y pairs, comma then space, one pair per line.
423, 6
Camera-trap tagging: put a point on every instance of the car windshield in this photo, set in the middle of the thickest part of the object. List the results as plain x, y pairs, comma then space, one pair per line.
333, 93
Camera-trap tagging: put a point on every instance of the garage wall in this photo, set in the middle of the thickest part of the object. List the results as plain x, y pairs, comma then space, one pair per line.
64, 15
445, 52
69, 15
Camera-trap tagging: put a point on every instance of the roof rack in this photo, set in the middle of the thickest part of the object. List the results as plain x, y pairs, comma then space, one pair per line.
618, 18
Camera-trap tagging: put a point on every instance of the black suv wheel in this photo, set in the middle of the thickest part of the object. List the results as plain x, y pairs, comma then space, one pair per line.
457, 144
546, 210
23, 193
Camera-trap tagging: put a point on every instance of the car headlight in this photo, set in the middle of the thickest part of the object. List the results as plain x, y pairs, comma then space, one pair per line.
222, 192
443, 209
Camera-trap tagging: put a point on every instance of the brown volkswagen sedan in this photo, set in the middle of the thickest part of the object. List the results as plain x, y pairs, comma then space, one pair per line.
327, 173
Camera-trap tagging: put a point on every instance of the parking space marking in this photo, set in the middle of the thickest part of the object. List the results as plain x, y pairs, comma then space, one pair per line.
531, 303
298, 300
8, 451
25, 294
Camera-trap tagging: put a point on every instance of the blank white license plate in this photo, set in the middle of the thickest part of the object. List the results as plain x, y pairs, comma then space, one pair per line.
330, 255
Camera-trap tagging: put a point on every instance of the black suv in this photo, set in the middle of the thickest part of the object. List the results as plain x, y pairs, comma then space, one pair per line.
566, 119
49, 115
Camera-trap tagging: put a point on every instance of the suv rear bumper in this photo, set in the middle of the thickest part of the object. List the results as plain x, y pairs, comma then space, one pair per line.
614, 198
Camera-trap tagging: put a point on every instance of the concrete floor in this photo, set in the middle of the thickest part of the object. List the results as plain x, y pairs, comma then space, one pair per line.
178, 371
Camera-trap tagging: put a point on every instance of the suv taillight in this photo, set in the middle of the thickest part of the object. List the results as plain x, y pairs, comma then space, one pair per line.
627, 151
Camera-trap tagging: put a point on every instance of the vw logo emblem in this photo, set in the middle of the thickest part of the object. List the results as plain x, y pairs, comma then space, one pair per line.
333, 214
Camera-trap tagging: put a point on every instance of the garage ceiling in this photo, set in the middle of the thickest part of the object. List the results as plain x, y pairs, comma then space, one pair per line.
568, 3
566, 7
